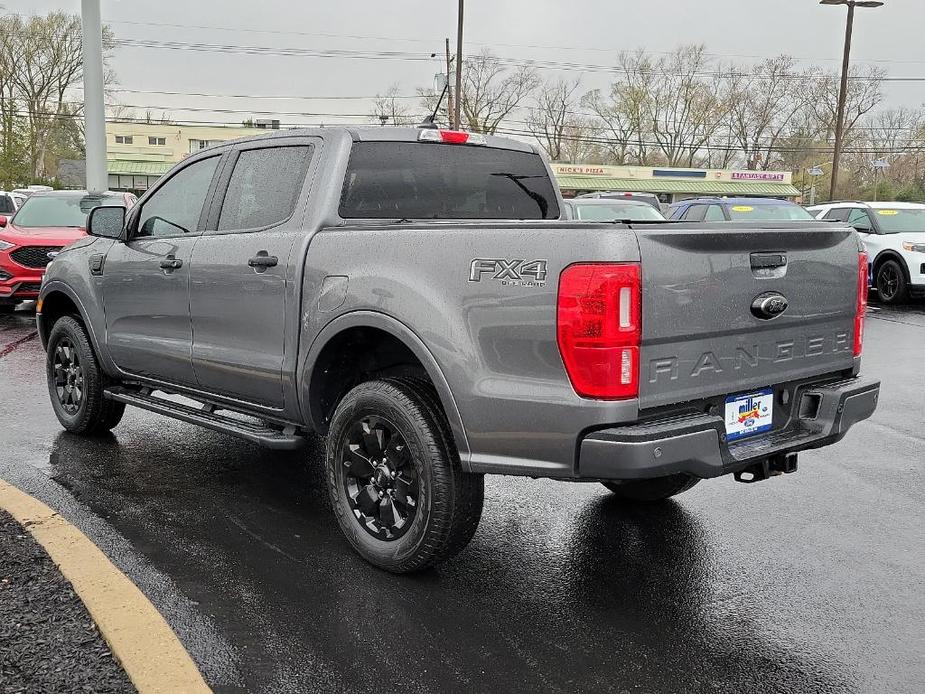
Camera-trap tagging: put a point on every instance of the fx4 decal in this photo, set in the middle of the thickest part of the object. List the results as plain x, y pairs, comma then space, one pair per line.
511, 273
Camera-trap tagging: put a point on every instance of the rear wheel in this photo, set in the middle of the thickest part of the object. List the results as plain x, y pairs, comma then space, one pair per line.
76, 383
656, 489
891, 282
394, 477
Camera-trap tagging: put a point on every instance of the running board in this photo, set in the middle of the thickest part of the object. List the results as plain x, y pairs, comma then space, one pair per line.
268, 437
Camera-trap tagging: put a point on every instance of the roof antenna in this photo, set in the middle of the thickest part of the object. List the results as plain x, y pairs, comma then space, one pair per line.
428, 122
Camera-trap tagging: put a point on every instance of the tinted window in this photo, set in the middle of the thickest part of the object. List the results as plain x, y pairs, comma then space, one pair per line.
768, 211
65, 210
175, 207
896, 221
264, 187
6, 205
714, 214
837, 214
396, 180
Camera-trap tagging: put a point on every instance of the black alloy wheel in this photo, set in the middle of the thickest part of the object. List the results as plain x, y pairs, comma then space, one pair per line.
380, 478
68, 376
76, 384
891, 282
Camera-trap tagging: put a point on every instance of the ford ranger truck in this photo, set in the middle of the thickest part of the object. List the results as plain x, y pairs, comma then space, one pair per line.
413, 296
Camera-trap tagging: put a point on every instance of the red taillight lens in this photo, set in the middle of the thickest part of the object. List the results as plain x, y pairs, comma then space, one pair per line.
862, 305
599, 324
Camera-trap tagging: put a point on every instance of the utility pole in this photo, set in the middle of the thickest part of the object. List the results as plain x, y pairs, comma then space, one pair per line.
457, 120
94, 109
449, 92
843, 87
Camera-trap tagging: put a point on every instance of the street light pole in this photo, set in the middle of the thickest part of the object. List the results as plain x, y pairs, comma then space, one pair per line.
94, 110
459, 68
843, 87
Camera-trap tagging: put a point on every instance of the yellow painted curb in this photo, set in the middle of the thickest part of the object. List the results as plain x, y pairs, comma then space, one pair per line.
139, 637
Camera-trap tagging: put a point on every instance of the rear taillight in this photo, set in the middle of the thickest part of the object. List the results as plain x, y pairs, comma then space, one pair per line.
862, 305
599, 325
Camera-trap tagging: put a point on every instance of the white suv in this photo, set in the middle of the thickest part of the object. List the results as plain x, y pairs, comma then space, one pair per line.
894, 236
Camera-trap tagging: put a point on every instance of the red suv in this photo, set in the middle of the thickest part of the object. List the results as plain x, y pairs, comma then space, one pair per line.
44, 224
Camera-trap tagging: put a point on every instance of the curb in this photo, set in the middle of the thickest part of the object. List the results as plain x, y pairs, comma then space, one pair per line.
139, 637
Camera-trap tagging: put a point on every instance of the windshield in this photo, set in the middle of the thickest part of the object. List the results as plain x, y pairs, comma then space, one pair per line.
764, 211
412, 180
615, 211
898, 221
60, 210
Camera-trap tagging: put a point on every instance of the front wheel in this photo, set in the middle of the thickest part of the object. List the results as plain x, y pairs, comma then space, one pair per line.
76, 383
394, 477
891, 282
655, 489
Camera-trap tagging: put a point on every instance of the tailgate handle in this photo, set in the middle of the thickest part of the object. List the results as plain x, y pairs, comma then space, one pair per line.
768, 260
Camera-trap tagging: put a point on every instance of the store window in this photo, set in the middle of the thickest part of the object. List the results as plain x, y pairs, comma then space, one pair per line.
160, 141
124, 139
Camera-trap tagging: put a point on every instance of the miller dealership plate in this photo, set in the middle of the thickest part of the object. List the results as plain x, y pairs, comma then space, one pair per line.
750, 414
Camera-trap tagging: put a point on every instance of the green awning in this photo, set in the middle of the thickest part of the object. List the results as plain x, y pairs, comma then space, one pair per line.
685, 186
138, 168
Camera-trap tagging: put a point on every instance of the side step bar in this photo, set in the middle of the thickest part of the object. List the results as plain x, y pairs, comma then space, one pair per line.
278, 439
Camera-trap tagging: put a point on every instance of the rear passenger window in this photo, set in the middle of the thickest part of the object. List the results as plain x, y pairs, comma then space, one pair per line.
695, 213
264, 187
837, 214
714, 214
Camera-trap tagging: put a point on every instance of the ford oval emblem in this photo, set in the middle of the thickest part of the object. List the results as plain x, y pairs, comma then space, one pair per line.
769, 305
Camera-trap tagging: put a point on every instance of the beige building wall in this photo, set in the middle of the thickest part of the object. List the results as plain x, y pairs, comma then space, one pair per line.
156, 142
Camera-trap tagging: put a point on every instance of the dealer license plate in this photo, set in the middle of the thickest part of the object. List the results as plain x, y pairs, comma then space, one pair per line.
750, 414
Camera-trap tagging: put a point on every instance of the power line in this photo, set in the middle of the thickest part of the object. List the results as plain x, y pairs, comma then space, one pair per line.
507, 62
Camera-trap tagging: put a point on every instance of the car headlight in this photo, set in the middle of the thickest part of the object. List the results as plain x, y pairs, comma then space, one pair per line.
5, 245
914, 247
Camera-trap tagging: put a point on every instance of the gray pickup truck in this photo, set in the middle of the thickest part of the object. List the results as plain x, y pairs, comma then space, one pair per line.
413, 295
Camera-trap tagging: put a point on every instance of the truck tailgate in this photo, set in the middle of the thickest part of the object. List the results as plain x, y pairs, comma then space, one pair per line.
700, 335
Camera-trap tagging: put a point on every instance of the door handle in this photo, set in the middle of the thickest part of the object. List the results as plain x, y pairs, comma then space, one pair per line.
171, 263
262, 261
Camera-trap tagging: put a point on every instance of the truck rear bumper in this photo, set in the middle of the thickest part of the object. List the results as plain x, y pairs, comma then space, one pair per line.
696, 444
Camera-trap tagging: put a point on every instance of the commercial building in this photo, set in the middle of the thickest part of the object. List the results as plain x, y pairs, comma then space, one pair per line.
673, 184
137, 154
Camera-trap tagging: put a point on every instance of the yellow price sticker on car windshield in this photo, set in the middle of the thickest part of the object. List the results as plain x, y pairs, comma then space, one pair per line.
888, 213
743, 208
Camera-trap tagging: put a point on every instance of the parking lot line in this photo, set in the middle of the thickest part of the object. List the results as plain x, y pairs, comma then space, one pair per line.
139, 637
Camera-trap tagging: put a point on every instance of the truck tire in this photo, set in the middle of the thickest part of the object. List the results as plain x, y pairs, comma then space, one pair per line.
395, 481
656, 489
891, 282
76, 383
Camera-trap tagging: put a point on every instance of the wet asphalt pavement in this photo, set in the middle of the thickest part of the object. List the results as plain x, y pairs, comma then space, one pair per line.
812, 582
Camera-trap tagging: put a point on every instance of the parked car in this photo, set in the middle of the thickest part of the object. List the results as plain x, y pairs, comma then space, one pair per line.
46, 222
610, 210
650, 198
894, 236
9, 203
412, 295
736, 210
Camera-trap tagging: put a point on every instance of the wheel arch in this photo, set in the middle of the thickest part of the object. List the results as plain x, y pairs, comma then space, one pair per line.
313, 366
885, 255
57, 300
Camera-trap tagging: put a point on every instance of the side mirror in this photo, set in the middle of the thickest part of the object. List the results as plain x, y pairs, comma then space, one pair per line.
3, 220
106, 221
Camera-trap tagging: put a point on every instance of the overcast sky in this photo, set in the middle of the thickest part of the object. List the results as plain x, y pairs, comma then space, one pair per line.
574, 31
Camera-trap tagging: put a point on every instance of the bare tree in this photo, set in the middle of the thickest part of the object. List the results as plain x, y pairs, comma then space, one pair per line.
47, 62
863, 96
491, 91
388, 109
554, 115
764, 103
